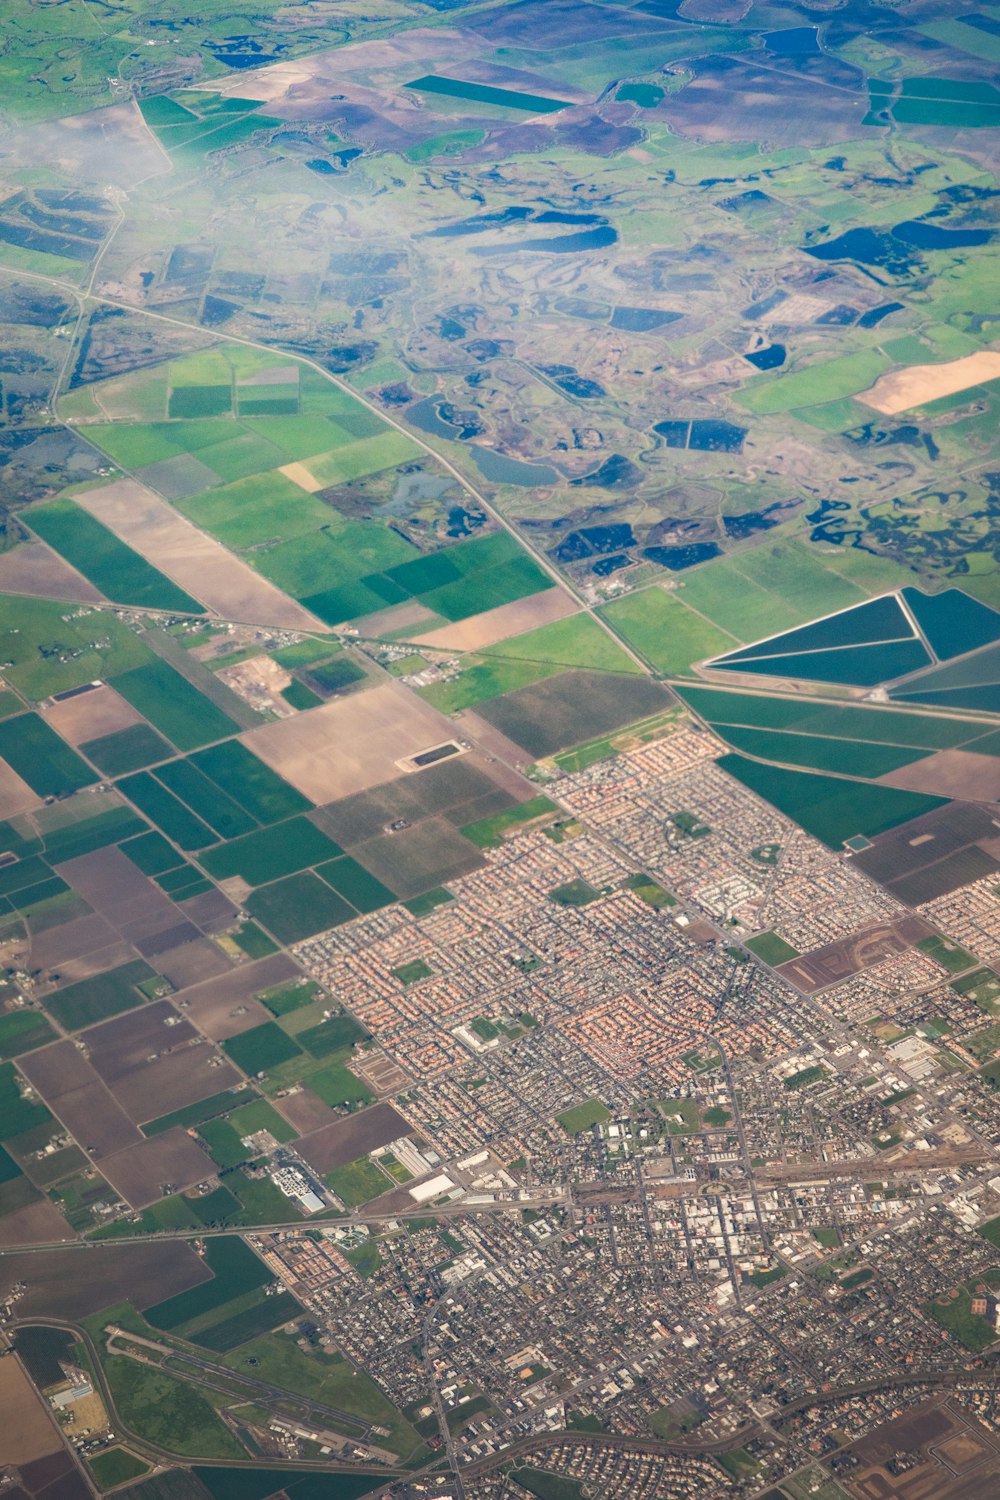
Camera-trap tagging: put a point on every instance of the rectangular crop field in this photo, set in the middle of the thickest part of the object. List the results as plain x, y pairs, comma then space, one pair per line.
269, 853
173, 706
663, 631
111, 566
36, 753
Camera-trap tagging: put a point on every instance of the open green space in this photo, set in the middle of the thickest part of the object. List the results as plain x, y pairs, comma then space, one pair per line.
127, 750
548, 1486
355, 884
326, 1378
108, 994
166, 1411
236, 1270
814, 752
335, 1034
190, 1115
337, 1085
23, 1031
178, 822
663, 630
949, 954
777, 585
576, 641
806, 716
583, 1116
112, 567
481, 93
269, 853
261, 1048
173, 705
36, 753
357, 1182
953, 1311
298, 906
266, 796
827, 380
205, 799
17, 1114
412, 971
771, 949
489, 833
116, 1466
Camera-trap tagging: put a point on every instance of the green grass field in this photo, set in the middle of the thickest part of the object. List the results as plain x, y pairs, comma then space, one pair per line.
119, 572
173, 705
664, 631
814, 752
167, 1412
829, 808
37, 754
577, 641
771, 948
269, 853
583, 1116
828, 380
358, 1182
325, 1378
298, 906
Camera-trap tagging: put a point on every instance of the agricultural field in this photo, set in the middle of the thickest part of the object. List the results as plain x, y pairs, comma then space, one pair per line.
463, 466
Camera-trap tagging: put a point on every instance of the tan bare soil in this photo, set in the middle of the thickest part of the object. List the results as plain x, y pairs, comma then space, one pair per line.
300, 475
349, 744
28, 1431
16, 795
173, 1157
36, 570
951, 773
259, 682
409, 616
902, 389
195, 561
90, 716
506, 620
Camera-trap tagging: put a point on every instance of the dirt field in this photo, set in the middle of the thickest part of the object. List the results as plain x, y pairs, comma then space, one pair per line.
409, 616
260, 683
36, 570
76, 939
951, 773
140, 1172
192, 559
838, 961
935, 854
506, 620
959, 1457
28, 1431
36, 1223
73, 1283
439, 789
305, 1110
345, 1140
210, 911
419, 858
213, 1005
16, 795
141, 913
349, 744
90, 715
902, 389
572, 708
191, 962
